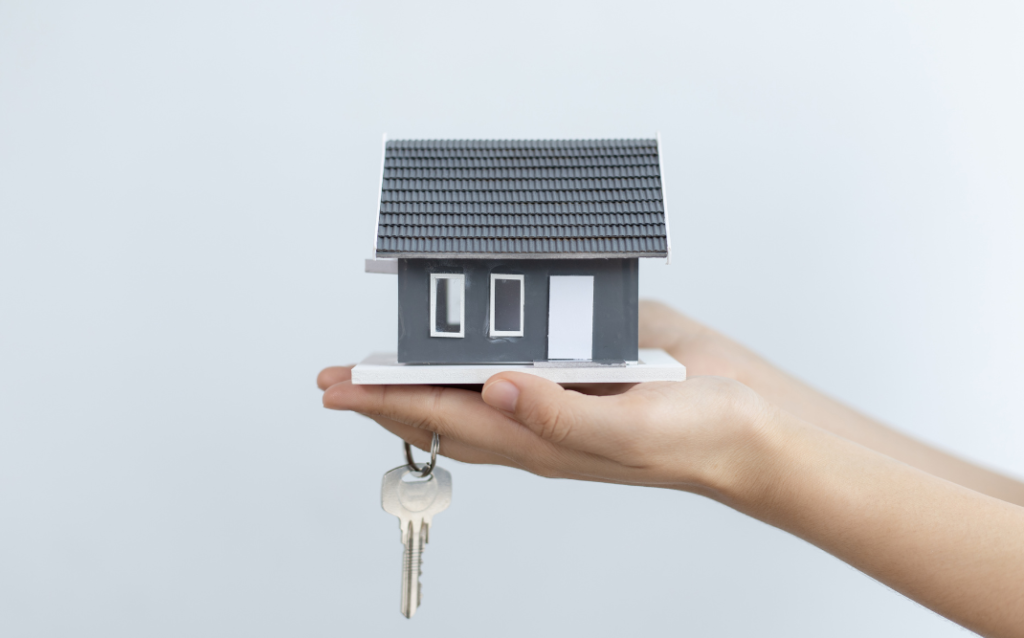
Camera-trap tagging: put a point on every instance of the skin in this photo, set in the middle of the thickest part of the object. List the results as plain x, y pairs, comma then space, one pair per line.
941, 531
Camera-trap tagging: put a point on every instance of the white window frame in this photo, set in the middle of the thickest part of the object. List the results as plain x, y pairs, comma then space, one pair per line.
434, 332
522, 305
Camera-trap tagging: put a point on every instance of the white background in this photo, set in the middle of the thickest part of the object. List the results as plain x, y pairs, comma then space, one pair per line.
187, 192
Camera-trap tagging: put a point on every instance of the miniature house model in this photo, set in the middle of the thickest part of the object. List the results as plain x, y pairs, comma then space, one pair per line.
519, 251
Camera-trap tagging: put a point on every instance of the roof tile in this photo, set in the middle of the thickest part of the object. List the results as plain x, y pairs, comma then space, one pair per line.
535, 197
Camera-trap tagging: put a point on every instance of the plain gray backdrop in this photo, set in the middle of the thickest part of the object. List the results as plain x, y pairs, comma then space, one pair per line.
188, 190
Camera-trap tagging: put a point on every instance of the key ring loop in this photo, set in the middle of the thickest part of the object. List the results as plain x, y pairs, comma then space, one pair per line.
426, 469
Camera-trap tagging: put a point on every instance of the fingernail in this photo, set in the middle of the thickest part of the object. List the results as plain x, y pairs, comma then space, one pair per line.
501, 395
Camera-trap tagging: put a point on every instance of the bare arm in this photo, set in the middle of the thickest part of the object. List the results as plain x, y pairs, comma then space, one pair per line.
952, 549
705, 351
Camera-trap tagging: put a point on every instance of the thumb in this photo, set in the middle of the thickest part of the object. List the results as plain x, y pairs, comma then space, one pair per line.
549, 410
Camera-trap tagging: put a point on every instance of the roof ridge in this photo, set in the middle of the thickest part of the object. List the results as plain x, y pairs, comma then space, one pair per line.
521, 143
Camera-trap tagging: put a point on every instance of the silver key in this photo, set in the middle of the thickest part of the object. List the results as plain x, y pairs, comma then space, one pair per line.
414, 503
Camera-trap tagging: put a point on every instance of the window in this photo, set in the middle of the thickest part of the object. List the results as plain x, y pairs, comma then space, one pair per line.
506, 305
447, 305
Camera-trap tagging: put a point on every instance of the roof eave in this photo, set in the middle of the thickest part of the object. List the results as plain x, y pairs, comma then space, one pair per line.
603, 255
664, 200
380, 190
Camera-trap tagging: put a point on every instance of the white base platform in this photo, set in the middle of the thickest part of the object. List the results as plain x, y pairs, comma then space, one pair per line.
384, 369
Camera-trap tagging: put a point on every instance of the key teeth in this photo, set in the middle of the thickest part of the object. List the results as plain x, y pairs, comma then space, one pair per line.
419, 565
412, 569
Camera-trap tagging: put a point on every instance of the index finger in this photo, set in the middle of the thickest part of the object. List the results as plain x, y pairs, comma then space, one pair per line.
334, 374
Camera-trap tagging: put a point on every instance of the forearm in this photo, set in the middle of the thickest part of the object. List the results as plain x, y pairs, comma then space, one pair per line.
801, 400
707, 352
953, 550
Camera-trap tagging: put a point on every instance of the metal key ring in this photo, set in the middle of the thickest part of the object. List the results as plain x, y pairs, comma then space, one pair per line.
426, 469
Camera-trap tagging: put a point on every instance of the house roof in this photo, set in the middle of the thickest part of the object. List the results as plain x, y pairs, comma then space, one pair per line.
521, 198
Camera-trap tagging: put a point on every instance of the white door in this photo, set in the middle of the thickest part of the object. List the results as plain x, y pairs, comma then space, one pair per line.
571, 318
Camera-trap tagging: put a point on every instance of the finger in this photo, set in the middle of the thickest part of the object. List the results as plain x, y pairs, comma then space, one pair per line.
599, 389
332, 375
589, 423
449, 447
467, 454
451, 412
462, 416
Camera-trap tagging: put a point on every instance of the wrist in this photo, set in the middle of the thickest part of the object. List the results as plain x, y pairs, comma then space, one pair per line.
745, 474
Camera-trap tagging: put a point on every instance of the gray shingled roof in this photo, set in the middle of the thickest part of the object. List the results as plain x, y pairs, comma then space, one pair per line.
522, 198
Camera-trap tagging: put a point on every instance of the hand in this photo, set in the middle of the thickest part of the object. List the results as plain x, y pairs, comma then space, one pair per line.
706, 352
702, 350
953, 550
627, 439
687, 435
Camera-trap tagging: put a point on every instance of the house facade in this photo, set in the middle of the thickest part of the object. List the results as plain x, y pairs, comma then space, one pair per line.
520, 251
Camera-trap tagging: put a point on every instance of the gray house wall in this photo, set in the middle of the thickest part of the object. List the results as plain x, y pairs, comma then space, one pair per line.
615, 310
